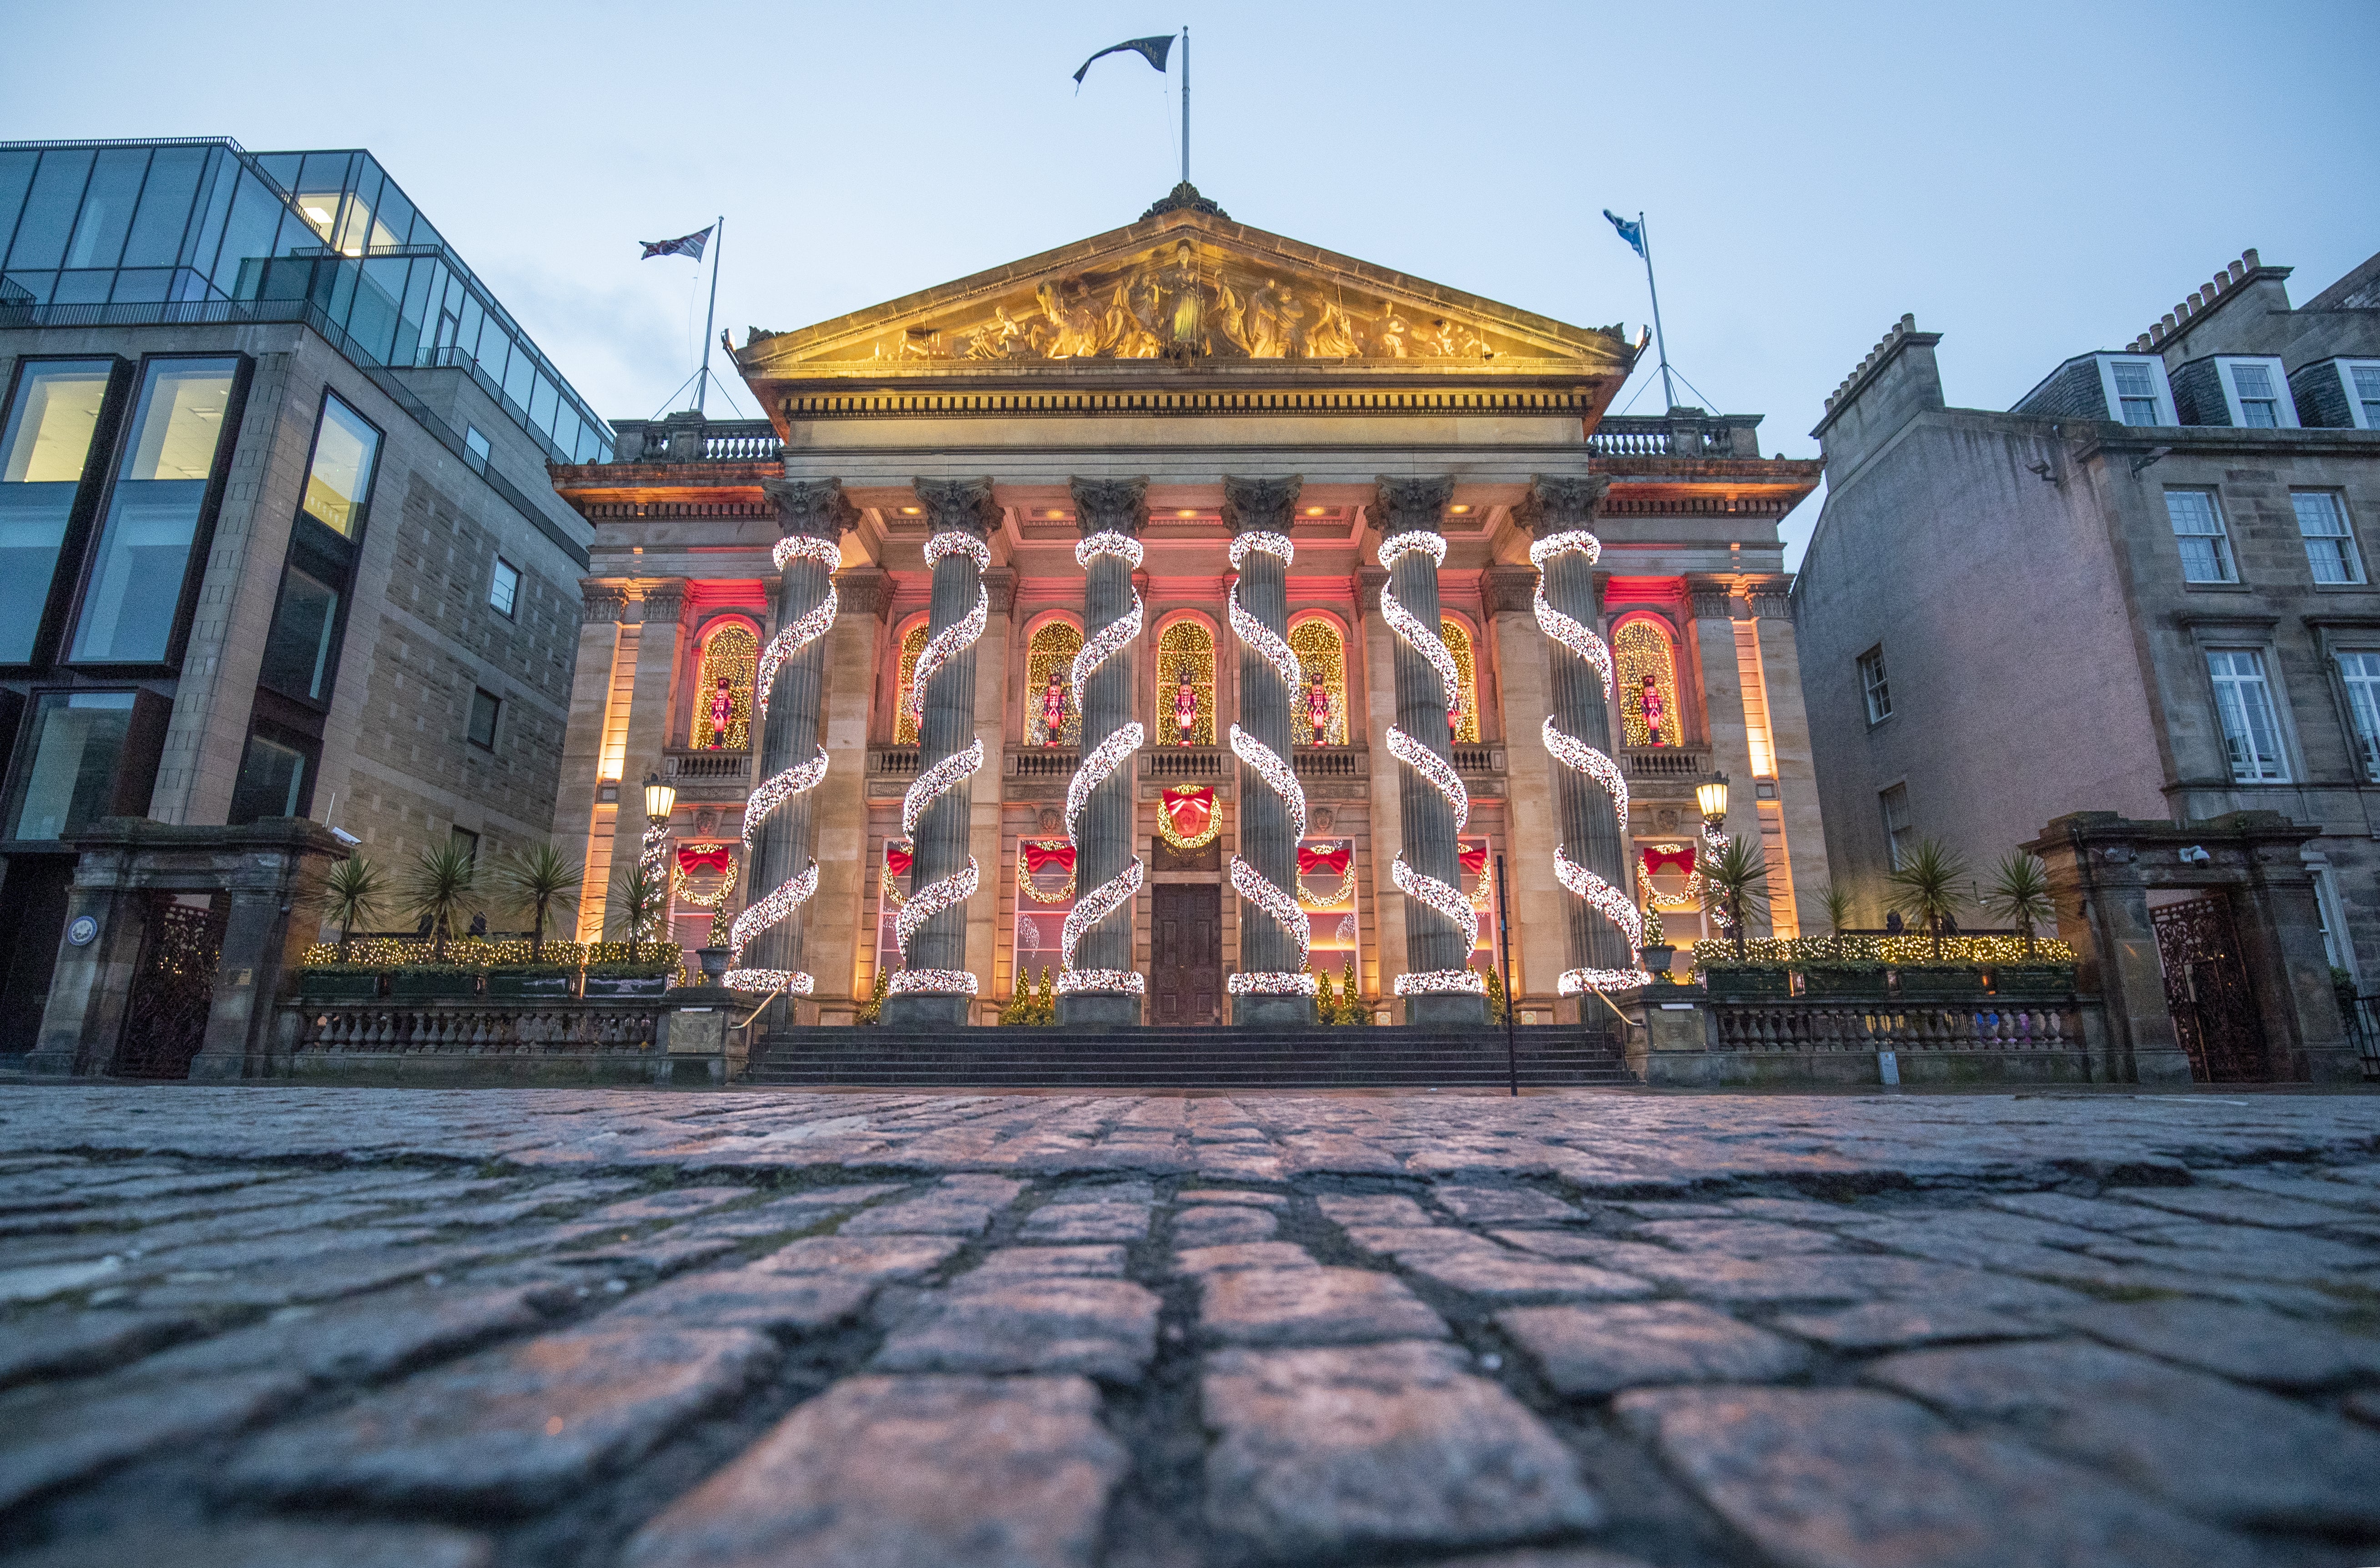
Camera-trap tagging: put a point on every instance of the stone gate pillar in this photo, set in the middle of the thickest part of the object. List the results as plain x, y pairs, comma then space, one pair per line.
1103, 843
933, 991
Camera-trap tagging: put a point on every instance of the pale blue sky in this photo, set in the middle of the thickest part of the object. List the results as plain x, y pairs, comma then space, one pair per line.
2032, 180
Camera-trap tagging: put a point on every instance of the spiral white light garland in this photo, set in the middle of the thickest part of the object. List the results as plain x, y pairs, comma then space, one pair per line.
1100, 764
1277, 902
934, 782
780, 902
1572, 753
1434, 771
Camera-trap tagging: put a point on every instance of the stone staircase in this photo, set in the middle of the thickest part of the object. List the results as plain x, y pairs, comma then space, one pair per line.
1184, 1058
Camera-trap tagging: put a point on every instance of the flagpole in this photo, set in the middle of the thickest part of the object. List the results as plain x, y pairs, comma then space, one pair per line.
1186, 105
1669, 393
702, 380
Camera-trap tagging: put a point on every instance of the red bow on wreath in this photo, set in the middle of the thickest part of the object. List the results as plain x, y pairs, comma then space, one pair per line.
1678, 859
1188, 810
1474, 859
896, 860
692, 858
1038, 855
1324, 862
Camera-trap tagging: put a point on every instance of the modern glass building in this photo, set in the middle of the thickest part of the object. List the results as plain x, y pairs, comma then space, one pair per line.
103, 233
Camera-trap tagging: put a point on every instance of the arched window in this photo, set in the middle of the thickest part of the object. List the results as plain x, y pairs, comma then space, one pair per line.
1645, 671
1319, 718
1465, 718
905, 723
723, 693
1185, 657
1052, 717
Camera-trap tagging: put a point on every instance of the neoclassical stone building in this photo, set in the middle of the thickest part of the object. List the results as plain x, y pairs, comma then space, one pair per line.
1196, 532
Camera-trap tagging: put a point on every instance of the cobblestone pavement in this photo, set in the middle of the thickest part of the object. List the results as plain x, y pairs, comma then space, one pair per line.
259, 1326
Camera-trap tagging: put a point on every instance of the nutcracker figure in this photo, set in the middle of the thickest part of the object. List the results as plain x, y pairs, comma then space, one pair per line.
1186, 707
1653, 713
1054, 711
722, 713
1318, 711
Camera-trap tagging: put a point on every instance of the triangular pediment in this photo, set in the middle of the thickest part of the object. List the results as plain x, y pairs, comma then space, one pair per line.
1182, 285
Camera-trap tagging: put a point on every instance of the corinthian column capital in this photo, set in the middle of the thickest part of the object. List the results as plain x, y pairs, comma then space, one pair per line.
1260, 506
1110, 506
815, 507
964, 505
1402, 505
1559, 502
664, 601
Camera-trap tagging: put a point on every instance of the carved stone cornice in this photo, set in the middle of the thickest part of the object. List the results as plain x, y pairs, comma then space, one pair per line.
1260, 506
1369, 580
999, 584
604, 602
865, 590
1559, 502
1401, 505
1770, 597
664, 601
1510, 590
964, 505
814, 507
1712, 598
1110, 506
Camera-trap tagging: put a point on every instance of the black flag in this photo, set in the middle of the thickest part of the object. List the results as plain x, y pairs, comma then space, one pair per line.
1152, 50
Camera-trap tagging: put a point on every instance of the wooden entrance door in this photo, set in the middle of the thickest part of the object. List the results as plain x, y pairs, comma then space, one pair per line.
1185, 963
2206, 989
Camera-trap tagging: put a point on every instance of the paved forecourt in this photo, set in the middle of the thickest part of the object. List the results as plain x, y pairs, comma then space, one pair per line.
266, 1326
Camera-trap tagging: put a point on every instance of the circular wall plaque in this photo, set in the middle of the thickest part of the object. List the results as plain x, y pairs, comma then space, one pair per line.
82, 931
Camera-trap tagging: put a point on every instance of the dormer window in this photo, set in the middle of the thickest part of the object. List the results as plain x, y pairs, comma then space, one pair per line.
2136, 391
2364, 393
2257, 395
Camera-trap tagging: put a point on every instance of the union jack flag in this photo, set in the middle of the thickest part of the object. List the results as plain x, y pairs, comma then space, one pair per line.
689, 245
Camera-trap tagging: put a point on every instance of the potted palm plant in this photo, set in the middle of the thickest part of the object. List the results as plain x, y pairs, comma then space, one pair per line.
638, 894
2019, 892
1735, 883
436, 887
1833, 967
351, 895
1925, 884
539, 880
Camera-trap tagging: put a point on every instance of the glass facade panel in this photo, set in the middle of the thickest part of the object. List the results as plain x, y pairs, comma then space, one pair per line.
144, 548
15, 173
271, 781
107, 204
43, 450
165, 202
76, 739
339, 482
50, 210
297, 650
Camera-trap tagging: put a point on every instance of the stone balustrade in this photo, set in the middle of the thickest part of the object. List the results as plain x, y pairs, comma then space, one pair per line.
2019, 1025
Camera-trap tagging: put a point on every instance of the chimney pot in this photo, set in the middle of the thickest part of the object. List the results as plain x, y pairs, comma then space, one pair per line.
2249, 257
2239, 269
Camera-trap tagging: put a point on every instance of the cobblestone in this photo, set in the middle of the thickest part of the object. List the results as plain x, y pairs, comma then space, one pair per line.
299, 1328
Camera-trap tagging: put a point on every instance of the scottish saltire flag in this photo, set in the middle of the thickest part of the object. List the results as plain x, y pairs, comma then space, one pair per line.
689, 245
1632, 233
1152, 50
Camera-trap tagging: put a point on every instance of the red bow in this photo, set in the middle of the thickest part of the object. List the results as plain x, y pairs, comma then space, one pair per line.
1475, 859
896, 860
1038, 855
704, 857
1188, 809
1659, 861
1324, 862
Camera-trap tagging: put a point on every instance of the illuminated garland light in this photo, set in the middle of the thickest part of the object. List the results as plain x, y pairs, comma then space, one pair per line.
1576, 755
1434, 771
1180, 840
1278, 903
925, 903
774, 791
1098, 765
1325, 903
1024, 878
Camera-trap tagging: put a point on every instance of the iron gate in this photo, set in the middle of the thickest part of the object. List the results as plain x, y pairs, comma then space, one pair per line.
2207, 989
172, 988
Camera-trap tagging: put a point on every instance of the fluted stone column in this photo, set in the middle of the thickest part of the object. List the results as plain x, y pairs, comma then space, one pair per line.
781, 845
1104, 842
1267, 839
947, 728
1432, 941
838, 926
1590, 830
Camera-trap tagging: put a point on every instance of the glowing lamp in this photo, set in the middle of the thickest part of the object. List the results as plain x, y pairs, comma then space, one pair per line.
1711, 796
659, 799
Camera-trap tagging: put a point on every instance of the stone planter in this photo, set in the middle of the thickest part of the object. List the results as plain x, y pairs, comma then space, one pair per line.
422, 987
316, 986
625, 985
1657, 956
1747, 985
2032, 982
525, 984
715, 963
1940, 984
1866, 984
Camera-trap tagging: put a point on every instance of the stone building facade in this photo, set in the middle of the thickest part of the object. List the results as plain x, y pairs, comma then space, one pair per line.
280, 542
2146, 589
1111, 425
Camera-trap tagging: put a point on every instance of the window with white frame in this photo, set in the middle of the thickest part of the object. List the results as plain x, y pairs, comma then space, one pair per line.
2136, 391
2363, 385
504, 587
2329, 546
1872, 689
2360, 672
1899, 832
2252, 729
2198, 528
2259, 394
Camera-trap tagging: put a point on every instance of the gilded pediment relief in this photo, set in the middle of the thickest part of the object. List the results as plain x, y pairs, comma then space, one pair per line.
1183, 297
